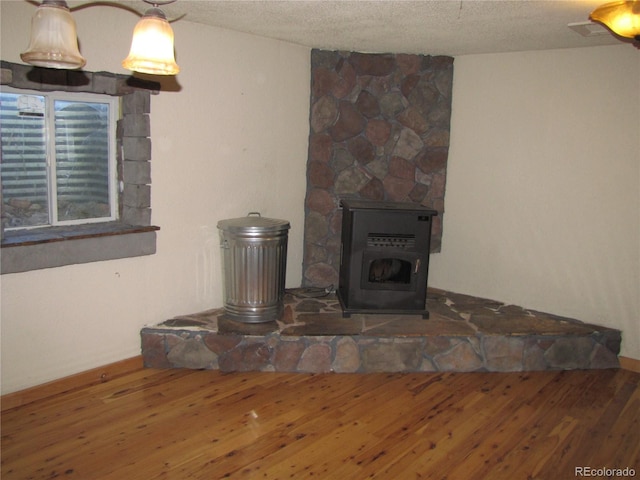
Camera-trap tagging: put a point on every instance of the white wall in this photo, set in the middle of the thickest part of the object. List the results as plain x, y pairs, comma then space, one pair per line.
543, 189
232, 140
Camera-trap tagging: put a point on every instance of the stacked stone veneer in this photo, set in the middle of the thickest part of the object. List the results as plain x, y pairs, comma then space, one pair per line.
379, 130
464, 334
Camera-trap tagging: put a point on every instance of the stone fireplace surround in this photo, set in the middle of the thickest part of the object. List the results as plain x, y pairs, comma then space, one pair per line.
379, 130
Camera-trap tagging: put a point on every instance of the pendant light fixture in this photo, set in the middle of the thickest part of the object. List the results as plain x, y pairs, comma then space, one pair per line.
152, 45
54, 42
621, 17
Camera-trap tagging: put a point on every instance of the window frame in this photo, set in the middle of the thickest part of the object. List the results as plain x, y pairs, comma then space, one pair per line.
132, 234
52, 161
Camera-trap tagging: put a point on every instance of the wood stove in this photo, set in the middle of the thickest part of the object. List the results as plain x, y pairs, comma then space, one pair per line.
384, 257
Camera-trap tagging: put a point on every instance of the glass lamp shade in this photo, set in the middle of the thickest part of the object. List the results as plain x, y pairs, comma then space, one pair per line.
622, 17
152, 46
54, 41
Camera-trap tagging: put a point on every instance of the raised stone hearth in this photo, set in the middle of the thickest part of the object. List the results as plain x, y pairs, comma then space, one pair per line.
462, 334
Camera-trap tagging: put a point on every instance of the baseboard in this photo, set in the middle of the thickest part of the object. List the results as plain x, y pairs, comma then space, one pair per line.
629, 363
83, 379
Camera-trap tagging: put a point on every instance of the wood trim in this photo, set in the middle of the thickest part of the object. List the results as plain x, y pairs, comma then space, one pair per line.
628, 363
79, 380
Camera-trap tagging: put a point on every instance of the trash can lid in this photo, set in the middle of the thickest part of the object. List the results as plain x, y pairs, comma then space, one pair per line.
253, 223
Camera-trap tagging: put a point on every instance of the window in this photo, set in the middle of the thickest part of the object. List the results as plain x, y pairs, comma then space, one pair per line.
58, 158
89, 200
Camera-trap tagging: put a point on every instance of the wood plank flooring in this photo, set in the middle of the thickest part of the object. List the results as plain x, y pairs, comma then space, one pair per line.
181, 424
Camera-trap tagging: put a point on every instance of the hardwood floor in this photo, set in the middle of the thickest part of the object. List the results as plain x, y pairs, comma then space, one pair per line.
180, 424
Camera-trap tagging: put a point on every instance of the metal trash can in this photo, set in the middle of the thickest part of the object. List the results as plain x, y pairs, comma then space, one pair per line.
254, 251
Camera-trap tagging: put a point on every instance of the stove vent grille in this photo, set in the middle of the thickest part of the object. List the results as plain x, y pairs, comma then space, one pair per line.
385, 240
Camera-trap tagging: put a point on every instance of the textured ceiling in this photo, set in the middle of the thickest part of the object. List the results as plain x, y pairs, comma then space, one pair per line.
437, 27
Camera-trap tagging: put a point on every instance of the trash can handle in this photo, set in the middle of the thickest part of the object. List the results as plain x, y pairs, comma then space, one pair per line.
254, 213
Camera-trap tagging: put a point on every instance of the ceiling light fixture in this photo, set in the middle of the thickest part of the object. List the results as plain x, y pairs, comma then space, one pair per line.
54, 40
152, 44
621, 17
